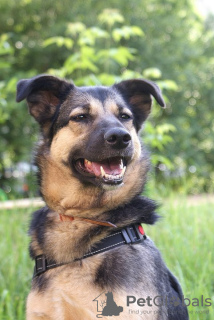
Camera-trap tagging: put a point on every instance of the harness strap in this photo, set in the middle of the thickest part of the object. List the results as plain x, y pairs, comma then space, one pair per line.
132, 234
63, 217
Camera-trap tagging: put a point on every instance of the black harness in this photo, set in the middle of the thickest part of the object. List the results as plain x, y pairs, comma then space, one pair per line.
130, 235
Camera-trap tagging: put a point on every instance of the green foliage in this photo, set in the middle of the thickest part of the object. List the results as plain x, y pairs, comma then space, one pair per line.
109, 17
156, 138
97, 53
165, 41
3, 195
89, 64
59, 41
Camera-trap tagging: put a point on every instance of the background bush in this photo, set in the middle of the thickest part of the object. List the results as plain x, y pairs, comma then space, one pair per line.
94, 43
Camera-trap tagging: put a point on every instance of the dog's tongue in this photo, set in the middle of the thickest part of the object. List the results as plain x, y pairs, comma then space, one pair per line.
111, 166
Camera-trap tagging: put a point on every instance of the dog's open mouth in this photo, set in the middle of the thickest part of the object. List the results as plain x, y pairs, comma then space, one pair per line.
110, 171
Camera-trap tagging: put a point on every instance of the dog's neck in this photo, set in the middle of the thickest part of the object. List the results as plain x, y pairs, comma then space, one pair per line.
69, 240
138, 210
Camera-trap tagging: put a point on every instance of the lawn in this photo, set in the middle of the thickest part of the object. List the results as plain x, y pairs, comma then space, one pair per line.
184, 236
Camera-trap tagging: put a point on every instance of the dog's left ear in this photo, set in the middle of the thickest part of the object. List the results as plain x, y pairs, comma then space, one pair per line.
137, 93
44, 94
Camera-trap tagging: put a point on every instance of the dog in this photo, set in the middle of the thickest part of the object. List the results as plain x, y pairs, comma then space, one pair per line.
89, 237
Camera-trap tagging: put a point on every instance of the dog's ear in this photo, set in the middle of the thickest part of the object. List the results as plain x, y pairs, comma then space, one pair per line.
44, 94
137, 93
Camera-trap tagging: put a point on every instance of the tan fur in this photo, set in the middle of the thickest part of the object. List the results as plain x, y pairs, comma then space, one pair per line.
98, 124
142, 100
64, 306
71, 289
58, 183
59, 302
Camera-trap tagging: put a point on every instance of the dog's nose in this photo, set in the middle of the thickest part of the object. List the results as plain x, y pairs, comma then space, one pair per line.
117, 138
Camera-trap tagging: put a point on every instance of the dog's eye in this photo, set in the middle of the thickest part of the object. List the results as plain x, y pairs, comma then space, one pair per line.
125, 116
79, 117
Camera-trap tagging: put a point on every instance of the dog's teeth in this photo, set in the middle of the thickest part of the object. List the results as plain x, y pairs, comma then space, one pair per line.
88, 163
121, 164
109, 176
123, 171
102, 172
112, 177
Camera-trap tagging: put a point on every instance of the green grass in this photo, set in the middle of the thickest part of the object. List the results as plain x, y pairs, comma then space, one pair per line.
15, 265
184, 237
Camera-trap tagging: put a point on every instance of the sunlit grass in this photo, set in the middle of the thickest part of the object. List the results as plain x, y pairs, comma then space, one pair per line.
15, 265
184, 236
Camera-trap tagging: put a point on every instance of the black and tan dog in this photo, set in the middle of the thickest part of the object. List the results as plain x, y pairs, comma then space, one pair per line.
88, 239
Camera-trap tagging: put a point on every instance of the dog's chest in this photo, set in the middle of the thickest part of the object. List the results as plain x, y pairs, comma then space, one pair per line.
84, 287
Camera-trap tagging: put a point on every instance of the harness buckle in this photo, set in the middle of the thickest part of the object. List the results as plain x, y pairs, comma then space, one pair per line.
132, 235
40, 265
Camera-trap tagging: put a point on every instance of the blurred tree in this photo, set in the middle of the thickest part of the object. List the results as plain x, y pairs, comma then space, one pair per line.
176, 43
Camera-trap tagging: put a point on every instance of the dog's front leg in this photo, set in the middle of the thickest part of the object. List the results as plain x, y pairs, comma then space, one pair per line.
46, 306
37, 307
37, 316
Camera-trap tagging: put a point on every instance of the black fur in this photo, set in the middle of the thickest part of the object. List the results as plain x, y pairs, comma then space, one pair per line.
38, 225
139, 210
42, 282
129, 89
124, 268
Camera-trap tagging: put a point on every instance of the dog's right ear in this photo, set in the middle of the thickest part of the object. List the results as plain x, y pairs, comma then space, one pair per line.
44, 95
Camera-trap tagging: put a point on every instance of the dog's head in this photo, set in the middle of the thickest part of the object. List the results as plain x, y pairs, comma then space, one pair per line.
90, 143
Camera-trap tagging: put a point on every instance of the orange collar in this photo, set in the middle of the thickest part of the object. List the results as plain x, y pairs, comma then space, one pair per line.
63, 217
